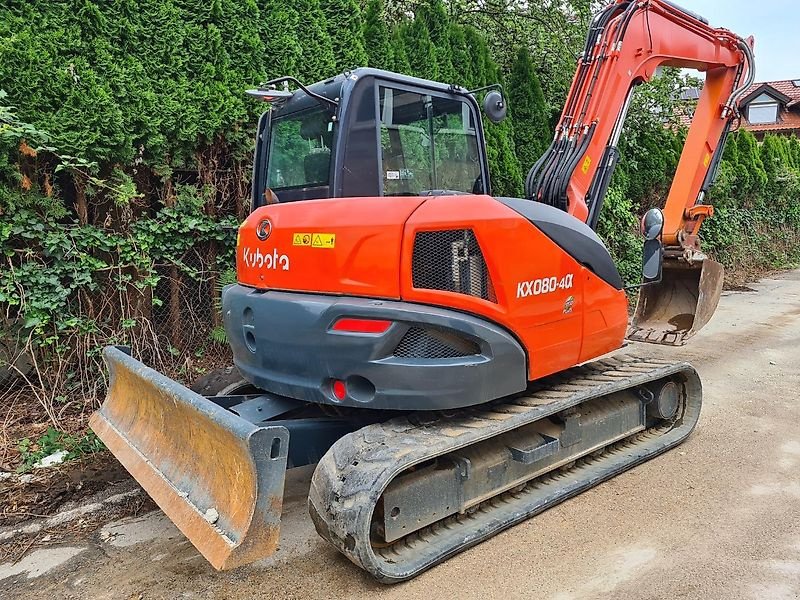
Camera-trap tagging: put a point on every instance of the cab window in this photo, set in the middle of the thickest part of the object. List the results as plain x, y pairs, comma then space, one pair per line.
300, 150
427, 143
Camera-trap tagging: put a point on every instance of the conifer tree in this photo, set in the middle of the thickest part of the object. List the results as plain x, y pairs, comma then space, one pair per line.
400, 62
730, 165
462, 65
731, 151
282, 50
750, 163
377, 40
794, 152
504, 166
317, 61
419, 49
770, 153
478, 53
436, 20
346, 32
775, 158
527, 107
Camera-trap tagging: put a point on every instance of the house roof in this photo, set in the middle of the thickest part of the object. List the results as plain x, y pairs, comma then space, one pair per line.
789, 120
685, 114
784, 90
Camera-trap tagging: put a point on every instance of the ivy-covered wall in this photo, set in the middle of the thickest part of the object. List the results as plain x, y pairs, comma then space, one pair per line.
125, 143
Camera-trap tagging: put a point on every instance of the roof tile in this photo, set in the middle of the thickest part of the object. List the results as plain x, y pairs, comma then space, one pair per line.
784, 86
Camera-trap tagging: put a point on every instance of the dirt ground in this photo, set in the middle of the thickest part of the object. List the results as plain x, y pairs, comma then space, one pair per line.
718, 517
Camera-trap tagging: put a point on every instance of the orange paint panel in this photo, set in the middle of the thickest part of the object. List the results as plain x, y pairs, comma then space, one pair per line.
541, 294
347, 246
605, 318
563, 339
540, 289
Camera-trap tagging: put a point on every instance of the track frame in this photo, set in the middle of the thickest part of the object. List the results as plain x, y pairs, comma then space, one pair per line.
351, 478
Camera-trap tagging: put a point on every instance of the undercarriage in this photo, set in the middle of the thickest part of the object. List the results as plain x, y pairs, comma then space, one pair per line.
395, 492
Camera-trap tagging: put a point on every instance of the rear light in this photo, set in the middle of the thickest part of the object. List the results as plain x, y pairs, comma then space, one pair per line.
351, 325
339, 389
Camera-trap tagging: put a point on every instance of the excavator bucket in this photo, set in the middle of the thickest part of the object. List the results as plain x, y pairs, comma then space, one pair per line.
218, 477
673, 310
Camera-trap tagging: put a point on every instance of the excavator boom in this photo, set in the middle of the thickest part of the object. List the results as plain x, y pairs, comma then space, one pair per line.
629, 41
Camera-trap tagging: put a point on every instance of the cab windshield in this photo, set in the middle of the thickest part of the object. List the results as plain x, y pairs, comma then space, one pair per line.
300, 150
427, 143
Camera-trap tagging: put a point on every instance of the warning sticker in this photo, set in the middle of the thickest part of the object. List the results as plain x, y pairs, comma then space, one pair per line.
707, 159
587, 162
392, 174
301, 239
323, 240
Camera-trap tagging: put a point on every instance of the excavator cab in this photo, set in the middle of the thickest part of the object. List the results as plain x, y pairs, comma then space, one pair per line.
368, 133
372, 133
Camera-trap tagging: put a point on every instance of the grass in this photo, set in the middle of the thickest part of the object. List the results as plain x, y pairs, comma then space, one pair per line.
53, 440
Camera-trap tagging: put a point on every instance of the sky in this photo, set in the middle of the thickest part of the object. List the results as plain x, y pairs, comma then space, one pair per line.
774, 23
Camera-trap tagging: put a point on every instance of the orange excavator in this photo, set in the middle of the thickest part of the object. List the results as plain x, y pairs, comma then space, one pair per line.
425, 342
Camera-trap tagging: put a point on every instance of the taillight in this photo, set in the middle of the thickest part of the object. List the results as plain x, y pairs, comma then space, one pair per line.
339, 389
352, 325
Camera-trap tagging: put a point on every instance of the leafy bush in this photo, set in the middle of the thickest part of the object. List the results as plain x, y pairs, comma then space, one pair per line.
756, 223
52, 441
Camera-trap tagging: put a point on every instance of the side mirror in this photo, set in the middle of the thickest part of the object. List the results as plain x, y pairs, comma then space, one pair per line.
652, 224
653, 253
494, 105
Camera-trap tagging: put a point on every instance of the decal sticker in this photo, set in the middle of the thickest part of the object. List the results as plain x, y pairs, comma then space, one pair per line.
257, 260
568, 304
301, 239
315, 240
587, 162
323, 240
545, 285
392, 174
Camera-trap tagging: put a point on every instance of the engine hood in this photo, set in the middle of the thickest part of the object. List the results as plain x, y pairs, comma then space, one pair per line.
348, 246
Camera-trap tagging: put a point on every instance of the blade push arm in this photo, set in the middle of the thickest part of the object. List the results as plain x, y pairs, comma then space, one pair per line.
627, 42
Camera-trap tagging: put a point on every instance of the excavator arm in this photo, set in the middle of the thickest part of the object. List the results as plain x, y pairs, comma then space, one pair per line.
627, 43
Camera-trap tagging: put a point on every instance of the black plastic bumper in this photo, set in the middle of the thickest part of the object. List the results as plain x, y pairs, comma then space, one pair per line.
284, 343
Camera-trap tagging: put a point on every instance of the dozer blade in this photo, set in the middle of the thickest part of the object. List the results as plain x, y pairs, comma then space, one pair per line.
673, 310
218, 477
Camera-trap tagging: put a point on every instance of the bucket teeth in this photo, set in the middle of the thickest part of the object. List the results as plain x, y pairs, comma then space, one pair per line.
676, 308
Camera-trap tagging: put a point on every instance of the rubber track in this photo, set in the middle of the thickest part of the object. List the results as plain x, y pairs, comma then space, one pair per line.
351, 477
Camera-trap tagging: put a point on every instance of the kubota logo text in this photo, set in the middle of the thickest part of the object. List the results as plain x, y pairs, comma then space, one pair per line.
257, 260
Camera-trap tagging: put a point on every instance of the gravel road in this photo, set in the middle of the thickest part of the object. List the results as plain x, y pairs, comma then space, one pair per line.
718, 517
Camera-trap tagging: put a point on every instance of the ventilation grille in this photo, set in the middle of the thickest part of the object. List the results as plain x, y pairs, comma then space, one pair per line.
451, 261
431, 343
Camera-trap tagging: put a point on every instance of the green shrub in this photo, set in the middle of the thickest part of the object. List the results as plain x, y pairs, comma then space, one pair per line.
52, 441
